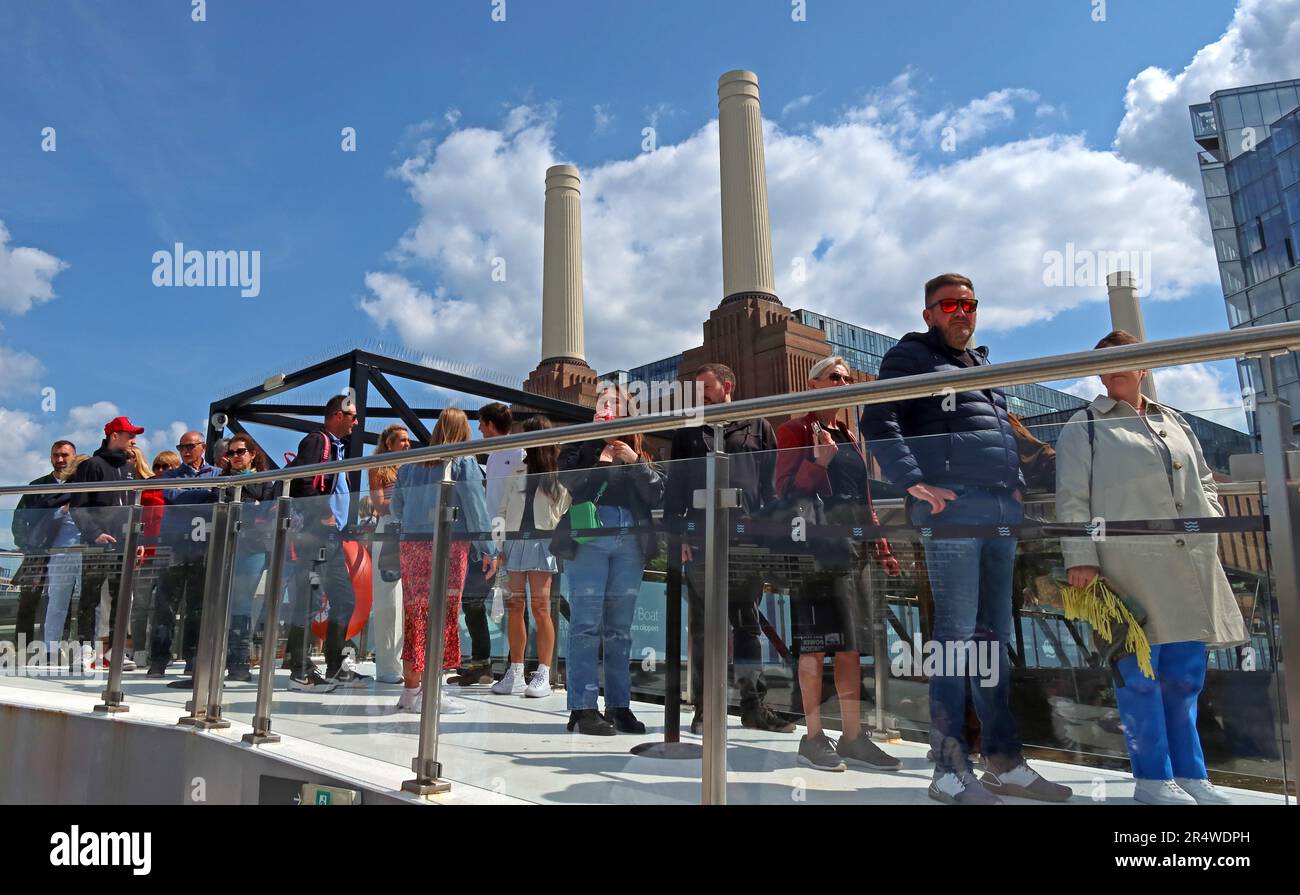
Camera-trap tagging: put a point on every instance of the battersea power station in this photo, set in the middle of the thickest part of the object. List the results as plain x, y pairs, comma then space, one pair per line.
770, 346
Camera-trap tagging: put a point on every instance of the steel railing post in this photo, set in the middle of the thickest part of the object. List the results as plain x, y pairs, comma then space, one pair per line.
220, 619
213, 574
428, 770
270, 638
122, 615
1273, 416
716, 499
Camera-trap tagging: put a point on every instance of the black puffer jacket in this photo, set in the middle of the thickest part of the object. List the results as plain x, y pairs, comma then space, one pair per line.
970, 442
102, 512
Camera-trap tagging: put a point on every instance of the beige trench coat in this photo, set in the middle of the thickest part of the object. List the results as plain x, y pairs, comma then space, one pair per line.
1123, 475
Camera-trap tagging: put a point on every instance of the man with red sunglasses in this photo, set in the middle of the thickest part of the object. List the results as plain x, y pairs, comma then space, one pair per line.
956, 456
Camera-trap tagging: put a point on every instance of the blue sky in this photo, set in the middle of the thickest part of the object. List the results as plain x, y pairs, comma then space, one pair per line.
225, 134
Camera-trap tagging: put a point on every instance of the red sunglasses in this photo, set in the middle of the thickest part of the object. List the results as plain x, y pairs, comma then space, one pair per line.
949, 305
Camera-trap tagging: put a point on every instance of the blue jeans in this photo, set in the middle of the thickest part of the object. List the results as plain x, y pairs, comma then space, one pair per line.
239, 644
1160, 715
971, 579
604, 580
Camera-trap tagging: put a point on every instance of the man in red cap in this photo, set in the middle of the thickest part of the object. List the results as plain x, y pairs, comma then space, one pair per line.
102, 517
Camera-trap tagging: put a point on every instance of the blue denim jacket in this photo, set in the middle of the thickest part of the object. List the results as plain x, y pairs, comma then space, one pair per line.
416, 494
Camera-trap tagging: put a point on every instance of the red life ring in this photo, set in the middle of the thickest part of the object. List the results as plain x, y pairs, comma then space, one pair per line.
358, 562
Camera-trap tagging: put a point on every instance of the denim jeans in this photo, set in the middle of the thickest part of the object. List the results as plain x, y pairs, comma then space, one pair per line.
183, 578
248, 570
971, 579
62, 574
1160, 715
604, 580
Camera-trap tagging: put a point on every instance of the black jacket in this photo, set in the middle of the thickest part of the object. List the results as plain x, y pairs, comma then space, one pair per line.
32, 509
314, 448
102, 512
940, 440
637, 486
751, 450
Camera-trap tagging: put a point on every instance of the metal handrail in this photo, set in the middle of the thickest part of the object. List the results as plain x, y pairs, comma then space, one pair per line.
1274, 337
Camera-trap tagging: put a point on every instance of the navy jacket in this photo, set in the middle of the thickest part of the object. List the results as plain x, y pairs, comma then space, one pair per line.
969, 443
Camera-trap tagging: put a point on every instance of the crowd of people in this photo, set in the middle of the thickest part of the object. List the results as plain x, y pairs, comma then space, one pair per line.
591, 509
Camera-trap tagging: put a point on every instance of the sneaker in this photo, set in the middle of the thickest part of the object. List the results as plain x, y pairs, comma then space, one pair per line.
1161, 792
128, 664
1024, 782
819, 752
539, 685
409, 701
862, 752
511, 683
960, 789
311, 682
157, 668
760, 717
239, 673
347, 677
449, 706
1203, 791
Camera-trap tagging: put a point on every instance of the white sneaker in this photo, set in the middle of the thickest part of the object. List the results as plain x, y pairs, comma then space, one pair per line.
539, 685
1203, 791
1160, 792
511, 683
409, 701
449, 706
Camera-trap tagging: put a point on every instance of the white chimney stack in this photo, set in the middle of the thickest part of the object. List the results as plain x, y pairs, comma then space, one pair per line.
746, 227
562, 325
1126, 314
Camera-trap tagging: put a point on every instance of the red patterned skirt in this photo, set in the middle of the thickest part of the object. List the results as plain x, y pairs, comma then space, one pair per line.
417, 564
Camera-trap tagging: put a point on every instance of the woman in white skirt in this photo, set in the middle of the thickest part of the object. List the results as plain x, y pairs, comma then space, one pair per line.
532, 502
386, 608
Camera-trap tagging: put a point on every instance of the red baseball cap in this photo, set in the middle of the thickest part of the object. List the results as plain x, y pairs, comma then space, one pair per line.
122, 424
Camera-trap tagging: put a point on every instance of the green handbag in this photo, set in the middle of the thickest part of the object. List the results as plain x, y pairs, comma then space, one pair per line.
584, 515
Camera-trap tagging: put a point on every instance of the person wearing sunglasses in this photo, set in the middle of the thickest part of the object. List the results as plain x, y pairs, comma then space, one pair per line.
241, 457
823, 471
184, 556
956, 455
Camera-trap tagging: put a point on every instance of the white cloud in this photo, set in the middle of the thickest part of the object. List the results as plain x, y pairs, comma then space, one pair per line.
796, 104
18, 369
602, 118
26, 275
1260, 44
886, 218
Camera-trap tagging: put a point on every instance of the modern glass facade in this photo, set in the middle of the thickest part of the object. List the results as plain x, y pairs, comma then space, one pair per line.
1250, 167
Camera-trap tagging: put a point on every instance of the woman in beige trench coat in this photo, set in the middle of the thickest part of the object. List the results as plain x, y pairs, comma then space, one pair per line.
1136, 459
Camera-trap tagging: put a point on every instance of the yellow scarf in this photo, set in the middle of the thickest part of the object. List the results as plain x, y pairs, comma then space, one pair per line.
1099, 606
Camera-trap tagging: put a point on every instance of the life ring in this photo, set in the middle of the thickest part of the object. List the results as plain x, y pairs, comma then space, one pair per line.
358, 563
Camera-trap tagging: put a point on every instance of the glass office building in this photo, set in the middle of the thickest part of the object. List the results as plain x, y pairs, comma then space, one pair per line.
1250, 166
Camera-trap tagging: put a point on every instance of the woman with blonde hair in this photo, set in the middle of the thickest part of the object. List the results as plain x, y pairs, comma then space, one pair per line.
386, 587
415, 496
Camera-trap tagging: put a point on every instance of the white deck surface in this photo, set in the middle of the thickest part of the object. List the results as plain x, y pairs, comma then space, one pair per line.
508, 748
